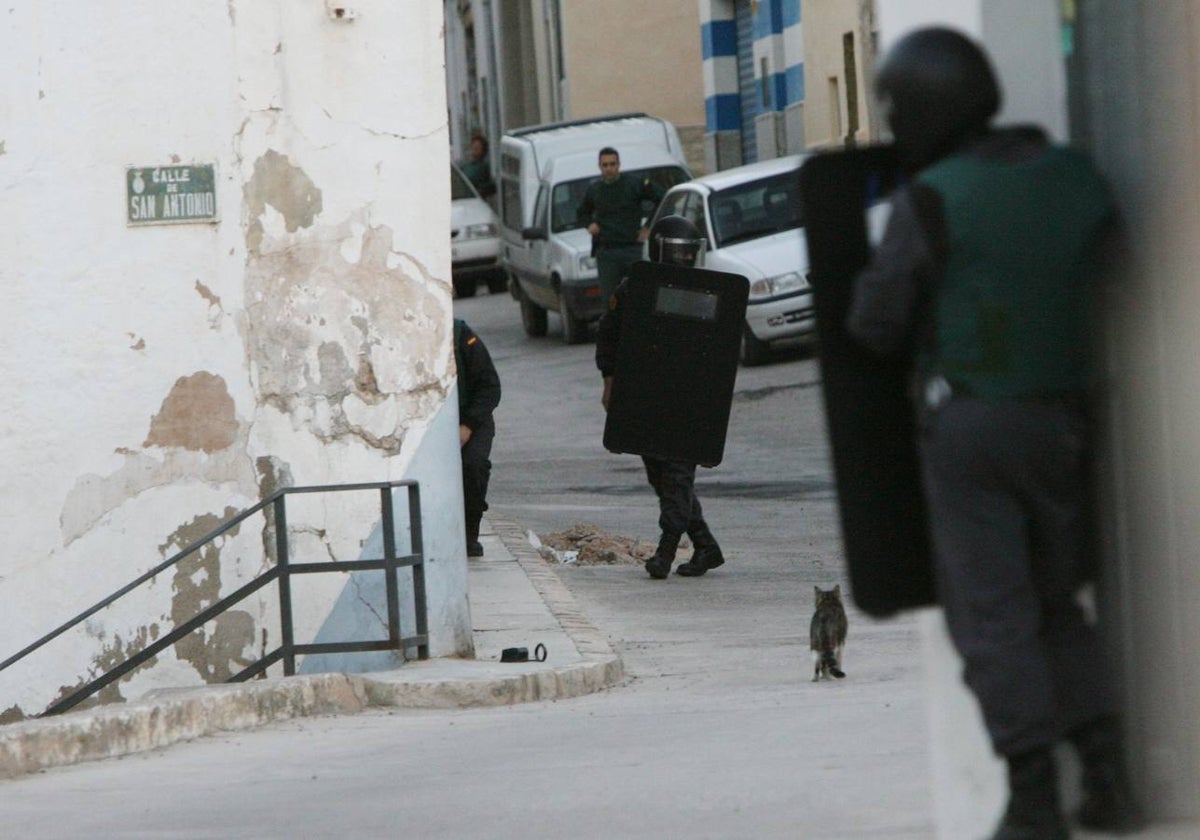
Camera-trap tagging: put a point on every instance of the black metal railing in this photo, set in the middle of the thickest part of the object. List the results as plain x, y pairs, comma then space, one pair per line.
282, 572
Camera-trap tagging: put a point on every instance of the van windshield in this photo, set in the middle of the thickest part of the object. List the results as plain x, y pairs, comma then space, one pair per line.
758, 208
564, 204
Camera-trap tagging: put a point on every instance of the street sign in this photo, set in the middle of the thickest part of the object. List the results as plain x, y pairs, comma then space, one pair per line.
167, 195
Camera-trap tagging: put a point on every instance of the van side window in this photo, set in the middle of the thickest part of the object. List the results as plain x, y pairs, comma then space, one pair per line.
510, 204
567, 198
673, 205
539, 209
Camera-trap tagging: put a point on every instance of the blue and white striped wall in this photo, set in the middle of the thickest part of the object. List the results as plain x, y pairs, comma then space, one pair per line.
733, 101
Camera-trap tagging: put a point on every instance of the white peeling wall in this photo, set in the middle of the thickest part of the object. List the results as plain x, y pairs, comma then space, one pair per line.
162, 377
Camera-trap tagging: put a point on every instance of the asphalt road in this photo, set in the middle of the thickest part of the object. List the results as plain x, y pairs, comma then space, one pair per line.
718, 732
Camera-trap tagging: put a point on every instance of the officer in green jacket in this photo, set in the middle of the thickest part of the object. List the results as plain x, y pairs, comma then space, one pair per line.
612, 211
987, 270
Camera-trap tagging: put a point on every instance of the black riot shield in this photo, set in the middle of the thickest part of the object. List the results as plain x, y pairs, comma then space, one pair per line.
867, 405
676, 362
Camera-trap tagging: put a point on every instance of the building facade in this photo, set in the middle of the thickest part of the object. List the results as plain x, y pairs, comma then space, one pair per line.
514, 63
754, 80
221, 281
839, 50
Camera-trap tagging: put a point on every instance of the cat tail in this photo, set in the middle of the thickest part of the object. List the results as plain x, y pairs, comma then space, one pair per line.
829, 661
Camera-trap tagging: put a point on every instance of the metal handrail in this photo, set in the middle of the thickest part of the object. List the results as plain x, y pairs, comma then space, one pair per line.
288, 650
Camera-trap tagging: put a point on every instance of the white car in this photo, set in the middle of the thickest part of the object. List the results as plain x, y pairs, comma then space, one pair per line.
752, 220
474, 239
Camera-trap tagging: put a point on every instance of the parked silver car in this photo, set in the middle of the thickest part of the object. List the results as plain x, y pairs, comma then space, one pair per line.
752, 219
474, 239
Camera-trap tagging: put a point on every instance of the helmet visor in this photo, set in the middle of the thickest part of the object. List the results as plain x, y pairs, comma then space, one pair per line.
681, 251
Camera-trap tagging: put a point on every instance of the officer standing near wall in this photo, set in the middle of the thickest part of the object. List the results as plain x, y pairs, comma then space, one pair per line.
673, 240
987, 267
478, 396
612, 211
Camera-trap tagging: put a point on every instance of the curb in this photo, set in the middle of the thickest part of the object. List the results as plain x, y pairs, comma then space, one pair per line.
169, 716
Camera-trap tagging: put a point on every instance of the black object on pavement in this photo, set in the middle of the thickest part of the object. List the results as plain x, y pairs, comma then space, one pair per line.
521, 654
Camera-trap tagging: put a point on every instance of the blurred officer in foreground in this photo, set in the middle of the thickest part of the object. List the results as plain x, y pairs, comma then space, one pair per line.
478, 396
673, 240
987, 269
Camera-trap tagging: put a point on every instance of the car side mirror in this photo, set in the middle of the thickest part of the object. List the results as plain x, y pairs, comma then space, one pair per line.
533, 233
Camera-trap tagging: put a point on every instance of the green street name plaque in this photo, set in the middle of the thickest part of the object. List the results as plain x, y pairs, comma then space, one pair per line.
165, 195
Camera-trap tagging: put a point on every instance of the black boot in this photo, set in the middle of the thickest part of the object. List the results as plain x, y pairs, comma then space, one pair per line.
474, 547
659, 566
707, 554
1108, 803
1033, 811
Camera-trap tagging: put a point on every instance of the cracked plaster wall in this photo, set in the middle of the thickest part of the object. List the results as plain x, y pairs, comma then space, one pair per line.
162, 377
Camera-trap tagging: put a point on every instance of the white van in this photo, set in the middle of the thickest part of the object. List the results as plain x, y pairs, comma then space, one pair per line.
544, 171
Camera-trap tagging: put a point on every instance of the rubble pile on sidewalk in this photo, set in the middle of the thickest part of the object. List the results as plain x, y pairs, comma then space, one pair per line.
585, 544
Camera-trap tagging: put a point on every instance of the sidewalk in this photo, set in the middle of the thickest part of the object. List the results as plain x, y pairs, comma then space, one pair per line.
516, 601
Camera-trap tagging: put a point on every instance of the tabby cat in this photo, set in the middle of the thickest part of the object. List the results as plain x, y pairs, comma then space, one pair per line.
827, 633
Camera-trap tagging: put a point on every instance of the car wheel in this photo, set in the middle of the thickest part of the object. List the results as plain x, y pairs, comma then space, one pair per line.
514, 288
533, 317
754, 351
497, 282
574, 330
464, 287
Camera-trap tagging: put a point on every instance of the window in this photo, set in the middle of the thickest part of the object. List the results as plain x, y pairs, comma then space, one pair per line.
564, 203
835, 110
758, 208
510, 204
539, 209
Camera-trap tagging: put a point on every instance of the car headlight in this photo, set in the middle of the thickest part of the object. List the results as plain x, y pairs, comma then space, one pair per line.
586, 264
781, 284
483, 231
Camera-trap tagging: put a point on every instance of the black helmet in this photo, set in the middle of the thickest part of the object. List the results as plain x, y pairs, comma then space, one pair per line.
939, 91
673, 239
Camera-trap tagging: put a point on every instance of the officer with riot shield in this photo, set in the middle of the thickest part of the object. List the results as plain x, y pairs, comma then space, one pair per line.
982, 287
667, 349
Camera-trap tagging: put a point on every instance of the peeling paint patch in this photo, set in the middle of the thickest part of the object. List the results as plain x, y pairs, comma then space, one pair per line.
3, 151
109, 657
138, 343
198, 414
345, 349
12, 714
217, 650
273, 474
93, 496
208, 295
285, 187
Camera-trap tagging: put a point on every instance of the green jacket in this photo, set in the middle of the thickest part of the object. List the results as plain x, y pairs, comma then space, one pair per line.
1013, 307
617, 207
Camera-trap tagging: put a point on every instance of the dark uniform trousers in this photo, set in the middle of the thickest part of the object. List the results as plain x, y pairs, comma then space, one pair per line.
612, 265
476, 470
1007, 485
674, 483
